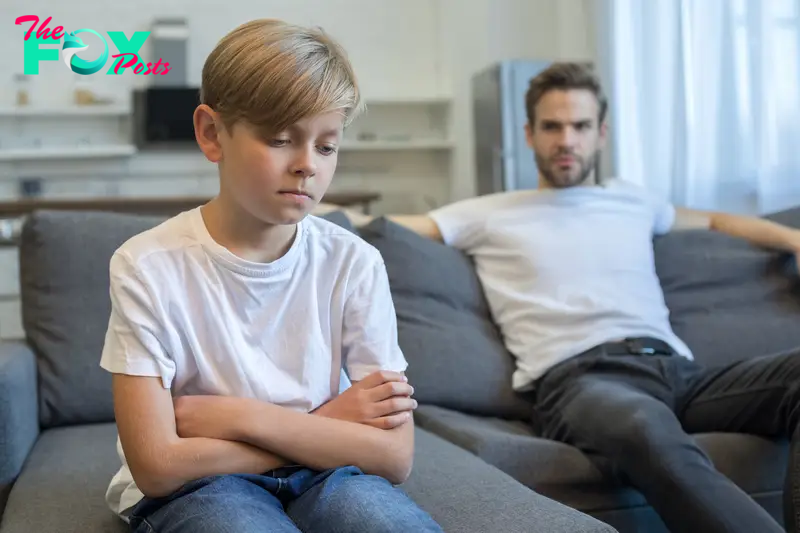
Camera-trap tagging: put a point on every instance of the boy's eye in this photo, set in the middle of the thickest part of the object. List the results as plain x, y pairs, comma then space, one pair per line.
327, 150
278, 142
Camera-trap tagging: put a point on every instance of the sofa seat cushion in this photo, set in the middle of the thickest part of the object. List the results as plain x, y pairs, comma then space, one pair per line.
63, 484
62, 489
562, 472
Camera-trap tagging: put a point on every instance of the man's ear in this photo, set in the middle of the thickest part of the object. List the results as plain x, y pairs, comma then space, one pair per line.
603, 135
529, 134
207, 130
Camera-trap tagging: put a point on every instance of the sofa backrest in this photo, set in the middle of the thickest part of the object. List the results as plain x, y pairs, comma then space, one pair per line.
64, 259
456, 357
64, 280
729, 300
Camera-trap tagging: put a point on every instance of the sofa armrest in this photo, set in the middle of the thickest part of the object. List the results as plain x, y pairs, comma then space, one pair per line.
464, 494
19, 415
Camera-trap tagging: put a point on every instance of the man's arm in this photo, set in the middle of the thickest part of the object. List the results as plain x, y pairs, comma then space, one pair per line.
757, 231
421, 224
159, 460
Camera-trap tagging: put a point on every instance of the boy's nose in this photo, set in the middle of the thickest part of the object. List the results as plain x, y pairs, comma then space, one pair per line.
304, 164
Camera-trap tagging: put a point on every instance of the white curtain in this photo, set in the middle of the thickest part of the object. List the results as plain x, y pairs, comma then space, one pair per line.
705, 99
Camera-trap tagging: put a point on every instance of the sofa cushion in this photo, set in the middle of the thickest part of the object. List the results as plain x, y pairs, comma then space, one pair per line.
64, 258
455, 352
62, 489
729, 300
565, 474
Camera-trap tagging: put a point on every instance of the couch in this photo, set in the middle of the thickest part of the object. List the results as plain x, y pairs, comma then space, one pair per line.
57, 432
728, 301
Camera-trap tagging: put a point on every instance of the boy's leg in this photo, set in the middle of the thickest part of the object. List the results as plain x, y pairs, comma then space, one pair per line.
218, 504
759, 396
346, 500
619, 410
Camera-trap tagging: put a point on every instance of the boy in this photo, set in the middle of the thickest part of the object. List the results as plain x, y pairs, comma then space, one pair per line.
232, 323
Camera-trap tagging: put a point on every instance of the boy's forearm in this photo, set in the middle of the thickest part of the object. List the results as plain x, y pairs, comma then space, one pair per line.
321, 443
185, 460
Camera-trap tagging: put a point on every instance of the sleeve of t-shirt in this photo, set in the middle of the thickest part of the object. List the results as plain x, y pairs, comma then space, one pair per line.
461, 223
663, 211
134, 341
663, 214
369, 339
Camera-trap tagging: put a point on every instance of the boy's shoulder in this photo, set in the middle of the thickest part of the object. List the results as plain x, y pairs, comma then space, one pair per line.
337, 239
160, 240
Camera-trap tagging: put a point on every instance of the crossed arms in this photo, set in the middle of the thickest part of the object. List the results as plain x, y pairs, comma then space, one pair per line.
168, 443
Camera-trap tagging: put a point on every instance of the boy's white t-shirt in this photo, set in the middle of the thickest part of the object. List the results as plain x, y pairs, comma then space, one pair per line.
292, 332
565, 270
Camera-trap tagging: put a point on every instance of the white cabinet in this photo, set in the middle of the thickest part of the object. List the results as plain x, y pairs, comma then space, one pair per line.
11, 320
10, 315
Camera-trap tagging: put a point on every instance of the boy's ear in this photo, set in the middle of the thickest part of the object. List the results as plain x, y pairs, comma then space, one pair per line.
207, 129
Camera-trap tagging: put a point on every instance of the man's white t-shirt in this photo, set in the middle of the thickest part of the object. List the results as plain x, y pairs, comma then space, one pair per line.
293, 332
565, 270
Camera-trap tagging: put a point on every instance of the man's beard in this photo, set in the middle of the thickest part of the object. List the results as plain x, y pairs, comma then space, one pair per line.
560, 180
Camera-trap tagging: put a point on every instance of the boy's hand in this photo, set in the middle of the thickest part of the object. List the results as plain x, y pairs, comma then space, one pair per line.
382, 400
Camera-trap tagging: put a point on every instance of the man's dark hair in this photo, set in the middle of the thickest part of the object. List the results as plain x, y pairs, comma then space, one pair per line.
563, 77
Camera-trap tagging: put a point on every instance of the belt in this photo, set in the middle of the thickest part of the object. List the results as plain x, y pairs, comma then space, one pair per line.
637, 346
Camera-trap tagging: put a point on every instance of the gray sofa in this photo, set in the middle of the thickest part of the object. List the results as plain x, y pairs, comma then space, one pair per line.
728, 301
57, 436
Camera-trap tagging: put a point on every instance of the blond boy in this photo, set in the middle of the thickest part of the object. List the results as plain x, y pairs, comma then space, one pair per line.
258, 384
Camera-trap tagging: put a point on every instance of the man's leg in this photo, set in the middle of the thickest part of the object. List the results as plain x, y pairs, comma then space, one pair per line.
759, 396
619, 409
346, 500
218, 504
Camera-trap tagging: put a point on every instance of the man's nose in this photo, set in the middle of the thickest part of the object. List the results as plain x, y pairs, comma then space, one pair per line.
568, 137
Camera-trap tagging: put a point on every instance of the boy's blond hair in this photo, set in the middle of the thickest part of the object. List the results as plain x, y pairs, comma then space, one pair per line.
272, 74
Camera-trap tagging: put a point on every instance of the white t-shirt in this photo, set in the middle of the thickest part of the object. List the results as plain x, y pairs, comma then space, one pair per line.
565, 270
290, 332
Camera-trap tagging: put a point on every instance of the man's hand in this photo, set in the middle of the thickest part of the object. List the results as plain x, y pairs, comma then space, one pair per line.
382, 400
212, 417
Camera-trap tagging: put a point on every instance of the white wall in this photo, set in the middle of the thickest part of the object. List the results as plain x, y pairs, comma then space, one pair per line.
408, 49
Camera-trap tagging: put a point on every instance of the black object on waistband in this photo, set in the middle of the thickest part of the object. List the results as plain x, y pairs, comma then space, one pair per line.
638, 346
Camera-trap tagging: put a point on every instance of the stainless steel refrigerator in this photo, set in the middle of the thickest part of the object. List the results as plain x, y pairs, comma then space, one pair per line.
503, 159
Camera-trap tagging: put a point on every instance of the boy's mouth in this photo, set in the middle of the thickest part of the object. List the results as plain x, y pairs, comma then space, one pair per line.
295, 193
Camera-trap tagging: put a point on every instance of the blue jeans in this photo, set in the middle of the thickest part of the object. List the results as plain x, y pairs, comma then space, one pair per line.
287, 500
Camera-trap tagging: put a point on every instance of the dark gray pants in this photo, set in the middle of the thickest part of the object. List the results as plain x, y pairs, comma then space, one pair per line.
632, 415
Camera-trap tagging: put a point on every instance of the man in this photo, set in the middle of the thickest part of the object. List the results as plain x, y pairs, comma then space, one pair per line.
569, 274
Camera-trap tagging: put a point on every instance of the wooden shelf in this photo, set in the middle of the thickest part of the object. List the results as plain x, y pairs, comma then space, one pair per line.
69, 152
161, 205
65, 111
418, 144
